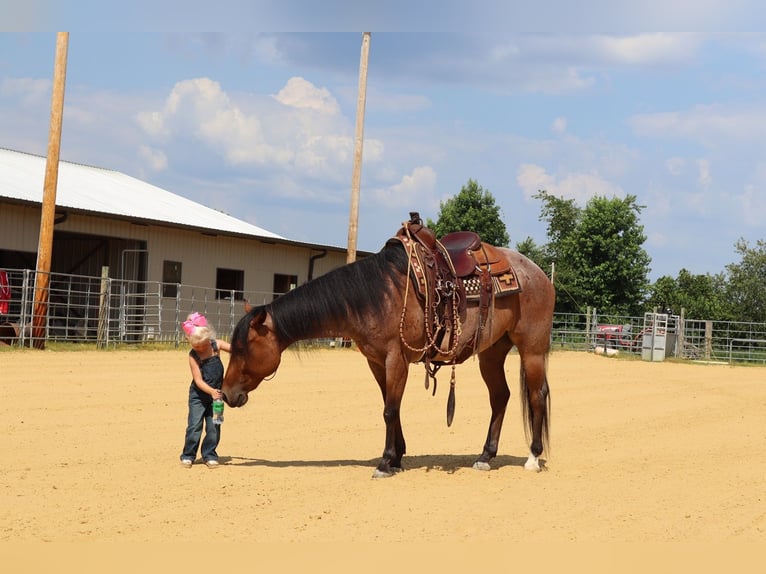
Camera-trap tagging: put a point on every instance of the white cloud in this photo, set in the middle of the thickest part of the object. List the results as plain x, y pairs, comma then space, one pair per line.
647, 49
299, 129
559, 64
559, 125
704, 178
153, 124
414, 189
675, 165
154, 158
391, 102
656, 239
29, 91
712, 125
299, 93
659, 201
753, 204
578, 186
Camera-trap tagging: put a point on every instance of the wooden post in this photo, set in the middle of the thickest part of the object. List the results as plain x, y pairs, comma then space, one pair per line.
358, 144
45, 244
103, 310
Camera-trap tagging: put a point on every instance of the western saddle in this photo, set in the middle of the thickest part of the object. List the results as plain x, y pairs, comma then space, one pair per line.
447, 274
450, 272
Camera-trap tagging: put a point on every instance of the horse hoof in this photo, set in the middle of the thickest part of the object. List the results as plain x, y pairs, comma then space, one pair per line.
532, 464
382, 474
481, 465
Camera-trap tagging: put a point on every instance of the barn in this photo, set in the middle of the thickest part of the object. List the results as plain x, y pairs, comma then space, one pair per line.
153, 243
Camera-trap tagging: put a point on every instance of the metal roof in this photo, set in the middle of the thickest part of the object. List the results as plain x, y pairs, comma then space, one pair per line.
103, 191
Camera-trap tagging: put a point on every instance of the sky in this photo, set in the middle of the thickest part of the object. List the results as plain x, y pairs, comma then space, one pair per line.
261, 125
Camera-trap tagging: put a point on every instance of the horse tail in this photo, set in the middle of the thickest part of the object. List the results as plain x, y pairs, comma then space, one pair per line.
527, 409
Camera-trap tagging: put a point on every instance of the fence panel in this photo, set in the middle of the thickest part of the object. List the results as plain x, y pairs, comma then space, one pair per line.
105, 311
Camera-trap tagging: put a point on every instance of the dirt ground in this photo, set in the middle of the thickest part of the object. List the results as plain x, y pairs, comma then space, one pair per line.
641, 452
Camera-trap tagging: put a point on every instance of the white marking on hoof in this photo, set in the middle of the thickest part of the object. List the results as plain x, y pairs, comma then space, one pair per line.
381, 474
532, 463
480, 465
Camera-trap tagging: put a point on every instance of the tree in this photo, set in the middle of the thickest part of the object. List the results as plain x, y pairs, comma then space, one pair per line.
700, 296
562, 216
473, 209
610, 265
663, 294
533, 252
746, 280
599, 254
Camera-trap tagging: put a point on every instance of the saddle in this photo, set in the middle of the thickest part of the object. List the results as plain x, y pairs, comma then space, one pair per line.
450, 272
480, 265
447, 274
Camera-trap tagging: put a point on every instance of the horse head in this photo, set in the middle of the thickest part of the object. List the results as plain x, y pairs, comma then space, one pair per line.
255, 354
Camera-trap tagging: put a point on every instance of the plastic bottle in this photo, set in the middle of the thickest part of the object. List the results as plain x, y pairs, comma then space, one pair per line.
217, 411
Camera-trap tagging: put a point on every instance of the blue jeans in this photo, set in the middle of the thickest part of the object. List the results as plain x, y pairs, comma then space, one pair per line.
201, 411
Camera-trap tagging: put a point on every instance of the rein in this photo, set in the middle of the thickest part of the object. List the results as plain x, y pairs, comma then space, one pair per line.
271, 376
442, 288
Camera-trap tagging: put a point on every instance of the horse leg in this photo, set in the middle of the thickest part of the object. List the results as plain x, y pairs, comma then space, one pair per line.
492, 368
535, 399
395, 446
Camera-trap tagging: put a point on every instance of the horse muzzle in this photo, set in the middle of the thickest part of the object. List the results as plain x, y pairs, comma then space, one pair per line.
235, 399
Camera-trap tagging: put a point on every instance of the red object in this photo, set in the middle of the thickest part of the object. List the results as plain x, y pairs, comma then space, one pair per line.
5, 293
617, 336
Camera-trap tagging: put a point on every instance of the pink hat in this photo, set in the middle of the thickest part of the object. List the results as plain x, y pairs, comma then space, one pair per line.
194, 320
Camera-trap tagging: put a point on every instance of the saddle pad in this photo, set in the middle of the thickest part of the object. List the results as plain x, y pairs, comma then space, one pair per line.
501, 285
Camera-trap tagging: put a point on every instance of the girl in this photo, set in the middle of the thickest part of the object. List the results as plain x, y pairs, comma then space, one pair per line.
207, 379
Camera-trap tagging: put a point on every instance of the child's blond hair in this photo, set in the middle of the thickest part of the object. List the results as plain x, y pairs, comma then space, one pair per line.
201, 334
197, 329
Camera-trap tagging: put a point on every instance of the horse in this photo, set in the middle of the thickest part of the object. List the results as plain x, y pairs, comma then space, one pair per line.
372, 301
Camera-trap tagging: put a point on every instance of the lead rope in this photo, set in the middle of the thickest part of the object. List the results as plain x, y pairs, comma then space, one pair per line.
430, 338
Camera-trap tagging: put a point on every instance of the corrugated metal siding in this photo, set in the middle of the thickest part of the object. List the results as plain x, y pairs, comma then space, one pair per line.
200, 254
19, 227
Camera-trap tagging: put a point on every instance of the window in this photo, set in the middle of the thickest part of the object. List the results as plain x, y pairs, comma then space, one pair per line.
171, 277
228, 280
284, 283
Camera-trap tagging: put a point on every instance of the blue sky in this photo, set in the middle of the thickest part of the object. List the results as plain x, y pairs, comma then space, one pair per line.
261, 125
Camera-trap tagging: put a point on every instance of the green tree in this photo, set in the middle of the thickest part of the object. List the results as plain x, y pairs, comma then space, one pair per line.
746, 280
473, 209
598, 252
700, 296
610, 265
562, 216
663, 294
534, 252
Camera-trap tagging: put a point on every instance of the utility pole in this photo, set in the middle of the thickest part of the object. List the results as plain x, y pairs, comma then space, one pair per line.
353, 221
47, 217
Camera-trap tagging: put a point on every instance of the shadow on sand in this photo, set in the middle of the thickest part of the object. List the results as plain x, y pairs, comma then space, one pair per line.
439, 462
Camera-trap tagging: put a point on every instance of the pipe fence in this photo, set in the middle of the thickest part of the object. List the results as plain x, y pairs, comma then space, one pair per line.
109, 312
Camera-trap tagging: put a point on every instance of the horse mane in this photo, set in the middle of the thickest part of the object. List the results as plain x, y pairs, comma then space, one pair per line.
355, 289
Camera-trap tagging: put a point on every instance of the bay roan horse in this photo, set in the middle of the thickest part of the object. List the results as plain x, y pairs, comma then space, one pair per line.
372, 302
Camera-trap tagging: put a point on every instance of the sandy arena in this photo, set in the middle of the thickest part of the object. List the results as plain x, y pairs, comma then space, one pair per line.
641, 452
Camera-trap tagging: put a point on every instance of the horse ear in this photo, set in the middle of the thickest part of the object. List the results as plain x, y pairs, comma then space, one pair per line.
248, 306
258, 319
